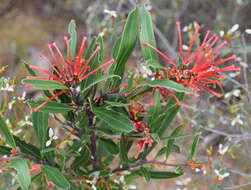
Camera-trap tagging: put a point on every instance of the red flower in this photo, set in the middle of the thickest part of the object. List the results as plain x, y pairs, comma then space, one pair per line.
199, 69
141, 126
36, 168
142, 143
67, 71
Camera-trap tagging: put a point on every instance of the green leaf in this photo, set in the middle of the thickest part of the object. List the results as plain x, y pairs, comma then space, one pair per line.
73, 37
170, 142
124, 147
31, 72
164, 174
4, 150
167, 120
44, 84
51, 107
194, 147
126, 46
23, 174
6, 133
116, 120
100, 79
96, 61
40, 124
115, 104
167, 84
27, 148
83, 159
154, 64
163, 150
147, 35
55, 176
109, 145
155, 110
145, 172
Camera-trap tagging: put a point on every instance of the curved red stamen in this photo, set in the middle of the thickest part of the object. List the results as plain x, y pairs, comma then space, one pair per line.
98, 68
160, 53
63, 60
47, 101
45, 71
56, 61
180, 39
85, 67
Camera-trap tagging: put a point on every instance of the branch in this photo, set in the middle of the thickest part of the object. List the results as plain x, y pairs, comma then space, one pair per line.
145, 162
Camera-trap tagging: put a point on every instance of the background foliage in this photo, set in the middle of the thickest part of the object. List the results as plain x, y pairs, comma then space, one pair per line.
224, 124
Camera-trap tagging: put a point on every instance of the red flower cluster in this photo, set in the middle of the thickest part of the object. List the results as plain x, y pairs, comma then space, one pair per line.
199, 69
14, 153
35, 168
141, 126
70, 71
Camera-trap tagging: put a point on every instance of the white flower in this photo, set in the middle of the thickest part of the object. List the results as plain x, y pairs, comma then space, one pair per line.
243, 64
101, 34
222, 149
197, 170
234, 28
184, 47
11, 103
236, 120
6, 86
237, 92
248, 31
239, 2
221, 174
51, 137
185, 29
95, 174
222, 33
183, 181
132, 187
111, 13
145, 71
94, 187
25, 122
22, 98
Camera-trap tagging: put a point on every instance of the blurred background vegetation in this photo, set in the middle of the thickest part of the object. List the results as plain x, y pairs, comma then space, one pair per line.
26, 26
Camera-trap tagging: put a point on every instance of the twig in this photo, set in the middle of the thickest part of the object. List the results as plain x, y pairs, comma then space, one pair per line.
245, 70
68, 125
145, 162
238, 186
93, 139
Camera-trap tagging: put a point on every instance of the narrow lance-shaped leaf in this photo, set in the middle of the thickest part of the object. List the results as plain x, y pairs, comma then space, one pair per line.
73, 37
126, 45
116, 120
124, 147
170, 142
44, 84
98, 80
167, 120
55, 176
27, 148
51, 107
167, 84
23, 175
147, 34
96, 61
165, 174
109, 145
6, 133
40, 124
194, 147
